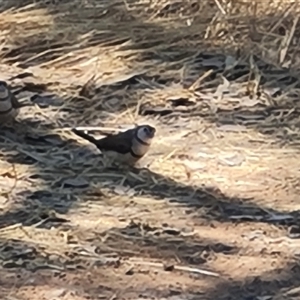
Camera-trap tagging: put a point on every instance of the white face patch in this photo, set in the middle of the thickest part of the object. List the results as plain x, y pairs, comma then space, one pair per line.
139, 148
143, 135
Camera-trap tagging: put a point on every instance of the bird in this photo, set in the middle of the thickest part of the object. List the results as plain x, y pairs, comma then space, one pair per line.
9, 105
125, 147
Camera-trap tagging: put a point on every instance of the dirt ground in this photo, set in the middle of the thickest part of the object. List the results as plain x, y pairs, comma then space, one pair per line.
212, 211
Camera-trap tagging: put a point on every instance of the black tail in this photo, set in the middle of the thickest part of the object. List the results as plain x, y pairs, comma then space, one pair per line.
85, 136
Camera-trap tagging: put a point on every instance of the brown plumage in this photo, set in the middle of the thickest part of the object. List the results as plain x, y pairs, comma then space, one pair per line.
9, 105
127, 147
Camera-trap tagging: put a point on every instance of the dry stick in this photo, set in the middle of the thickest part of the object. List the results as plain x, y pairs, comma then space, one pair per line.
278, 23
14, 185
88, 128
220, 7
178, 268
35, 157
287, 40
198, 81
286, 13
48, 52
137, 109
10, 227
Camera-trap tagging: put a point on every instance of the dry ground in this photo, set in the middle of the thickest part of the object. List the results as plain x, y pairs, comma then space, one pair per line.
219, 190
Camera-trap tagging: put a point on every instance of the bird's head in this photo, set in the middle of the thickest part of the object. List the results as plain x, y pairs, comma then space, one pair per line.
146, 133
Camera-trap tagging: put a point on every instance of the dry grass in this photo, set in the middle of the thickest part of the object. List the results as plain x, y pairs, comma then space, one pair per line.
220, 189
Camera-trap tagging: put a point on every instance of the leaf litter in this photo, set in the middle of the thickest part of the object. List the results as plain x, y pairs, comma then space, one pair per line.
232, 105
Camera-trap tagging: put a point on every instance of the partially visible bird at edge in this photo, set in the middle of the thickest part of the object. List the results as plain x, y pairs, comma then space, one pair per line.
9, 105
126, 147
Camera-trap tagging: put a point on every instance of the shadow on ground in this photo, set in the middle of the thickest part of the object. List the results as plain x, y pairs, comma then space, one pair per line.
60, 172
125, 259
164, 53
276, 284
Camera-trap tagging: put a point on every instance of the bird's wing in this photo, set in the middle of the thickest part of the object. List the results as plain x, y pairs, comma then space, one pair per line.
121, 142
85, 136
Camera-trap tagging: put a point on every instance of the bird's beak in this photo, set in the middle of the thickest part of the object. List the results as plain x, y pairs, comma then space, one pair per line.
152, 131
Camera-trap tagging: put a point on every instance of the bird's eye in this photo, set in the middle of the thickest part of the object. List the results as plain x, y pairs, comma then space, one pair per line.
146, 130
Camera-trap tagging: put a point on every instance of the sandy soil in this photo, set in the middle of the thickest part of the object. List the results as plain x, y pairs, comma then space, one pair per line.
212, 211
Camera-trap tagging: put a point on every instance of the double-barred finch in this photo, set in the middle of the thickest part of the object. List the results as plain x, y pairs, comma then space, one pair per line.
9, 105
127, 146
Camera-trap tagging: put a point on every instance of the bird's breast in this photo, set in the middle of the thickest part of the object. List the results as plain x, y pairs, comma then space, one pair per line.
138, 148
126, 158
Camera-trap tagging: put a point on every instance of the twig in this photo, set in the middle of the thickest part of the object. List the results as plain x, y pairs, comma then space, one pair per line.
196, 84
91, 128
284, 16
11, 227
178, 268
35, 157
287, 40
14, 185
220, 7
